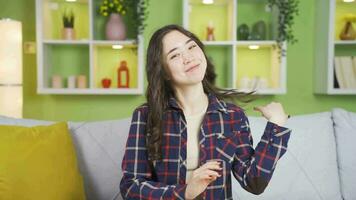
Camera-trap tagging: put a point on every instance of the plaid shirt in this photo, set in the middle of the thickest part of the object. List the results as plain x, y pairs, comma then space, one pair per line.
224, 135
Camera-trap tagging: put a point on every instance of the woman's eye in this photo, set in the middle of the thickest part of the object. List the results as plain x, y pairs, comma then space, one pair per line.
191, 47
174, 56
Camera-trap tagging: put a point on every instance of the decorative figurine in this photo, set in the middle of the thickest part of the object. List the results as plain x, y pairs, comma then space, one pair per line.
210, 32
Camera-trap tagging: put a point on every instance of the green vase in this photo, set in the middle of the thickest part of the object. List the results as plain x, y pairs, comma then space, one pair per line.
259, 31
243, 32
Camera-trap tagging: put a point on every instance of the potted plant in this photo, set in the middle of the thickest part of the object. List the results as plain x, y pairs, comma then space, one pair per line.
68, 31
114, 9
287, 9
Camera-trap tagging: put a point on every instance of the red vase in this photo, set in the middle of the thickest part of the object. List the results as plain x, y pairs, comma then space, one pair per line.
123, 76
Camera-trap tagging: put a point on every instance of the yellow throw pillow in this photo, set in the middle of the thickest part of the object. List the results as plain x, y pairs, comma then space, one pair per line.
39, 163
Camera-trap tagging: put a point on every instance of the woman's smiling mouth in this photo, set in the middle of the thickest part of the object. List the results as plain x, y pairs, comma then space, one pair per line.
192, 68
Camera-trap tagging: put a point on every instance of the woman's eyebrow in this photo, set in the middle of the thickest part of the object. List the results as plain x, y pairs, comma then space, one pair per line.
189, 40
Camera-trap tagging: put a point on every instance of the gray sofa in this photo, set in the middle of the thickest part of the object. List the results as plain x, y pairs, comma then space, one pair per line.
319, 165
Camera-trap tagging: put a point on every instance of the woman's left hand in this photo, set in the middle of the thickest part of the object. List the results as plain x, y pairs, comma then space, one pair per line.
273, 112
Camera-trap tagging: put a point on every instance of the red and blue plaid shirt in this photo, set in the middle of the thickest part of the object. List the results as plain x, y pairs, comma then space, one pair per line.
224, 135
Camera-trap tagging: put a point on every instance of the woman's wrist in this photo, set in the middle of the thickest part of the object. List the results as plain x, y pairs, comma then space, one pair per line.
280, 121
189, 192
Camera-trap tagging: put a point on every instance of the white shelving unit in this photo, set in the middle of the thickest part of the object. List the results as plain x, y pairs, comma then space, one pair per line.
228, 40
328, 17
89, 47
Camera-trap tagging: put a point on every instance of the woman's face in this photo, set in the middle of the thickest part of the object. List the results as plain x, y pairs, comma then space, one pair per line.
184, 60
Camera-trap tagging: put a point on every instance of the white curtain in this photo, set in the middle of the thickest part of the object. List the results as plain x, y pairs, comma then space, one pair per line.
10, 68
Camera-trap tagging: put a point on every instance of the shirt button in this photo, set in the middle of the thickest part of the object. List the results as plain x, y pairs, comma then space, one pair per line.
202, 145
274, 130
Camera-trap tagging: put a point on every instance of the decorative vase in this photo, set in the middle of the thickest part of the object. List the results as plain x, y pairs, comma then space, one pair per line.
259, 31
243, 32
81, 81
57, 81
123, 75
68, 33
115, 27
348, 32
71, 82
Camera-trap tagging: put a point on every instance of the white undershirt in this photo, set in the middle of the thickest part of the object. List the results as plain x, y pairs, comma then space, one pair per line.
193, 128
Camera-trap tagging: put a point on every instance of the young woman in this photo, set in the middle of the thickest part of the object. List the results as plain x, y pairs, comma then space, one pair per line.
185, 142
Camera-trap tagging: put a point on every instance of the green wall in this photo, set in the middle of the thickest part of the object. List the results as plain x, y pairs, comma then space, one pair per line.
298, 100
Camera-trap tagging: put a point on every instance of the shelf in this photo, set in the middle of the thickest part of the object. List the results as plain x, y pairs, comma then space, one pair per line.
52, 11
113, 42
345, 42
66, 41
241, 43
89, 91
220, 15
340, 10
96, 42
259, 65
343, 91
107, 61
263, 43
246, 14
330, 21
99, 22
218, 43
234, 58
65, 61
88, 54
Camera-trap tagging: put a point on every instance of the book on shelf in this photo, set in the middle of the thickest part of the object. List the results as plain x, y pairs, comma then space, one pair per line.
345, 71
339, 73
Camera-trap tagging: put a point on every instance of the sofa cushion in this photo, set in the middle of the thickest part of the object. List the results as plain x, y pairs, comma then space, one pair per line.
28, 156
308, 170
345, 133
100, 148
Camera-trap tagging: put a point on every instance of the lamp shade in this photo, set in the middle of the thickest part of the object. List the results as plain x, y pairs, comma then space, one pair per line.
10, 52
10, 68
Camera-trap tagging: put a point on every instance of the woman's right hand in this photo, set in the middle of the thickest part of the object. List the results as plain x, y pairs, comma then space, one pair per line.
201, 178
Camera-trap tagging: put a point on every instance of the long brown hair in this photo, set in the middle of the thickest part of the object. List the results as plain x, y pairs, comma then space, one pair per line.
159, 88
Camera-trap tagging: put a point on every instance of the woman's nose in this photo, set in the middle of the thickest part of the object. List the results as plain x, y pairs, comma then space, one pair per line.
187, 57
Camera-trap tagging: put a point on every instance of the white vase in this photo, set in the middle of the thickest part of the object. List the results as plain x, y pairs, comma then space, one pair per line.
115, 27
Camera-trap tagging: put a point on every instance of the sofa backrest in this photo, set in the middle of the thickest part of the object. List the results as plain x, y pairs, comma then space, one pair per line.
308, 170
345, 133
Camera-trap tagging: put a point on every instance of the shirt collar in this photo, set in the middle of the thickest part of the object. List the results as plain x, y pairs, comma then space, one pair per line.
214, 104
